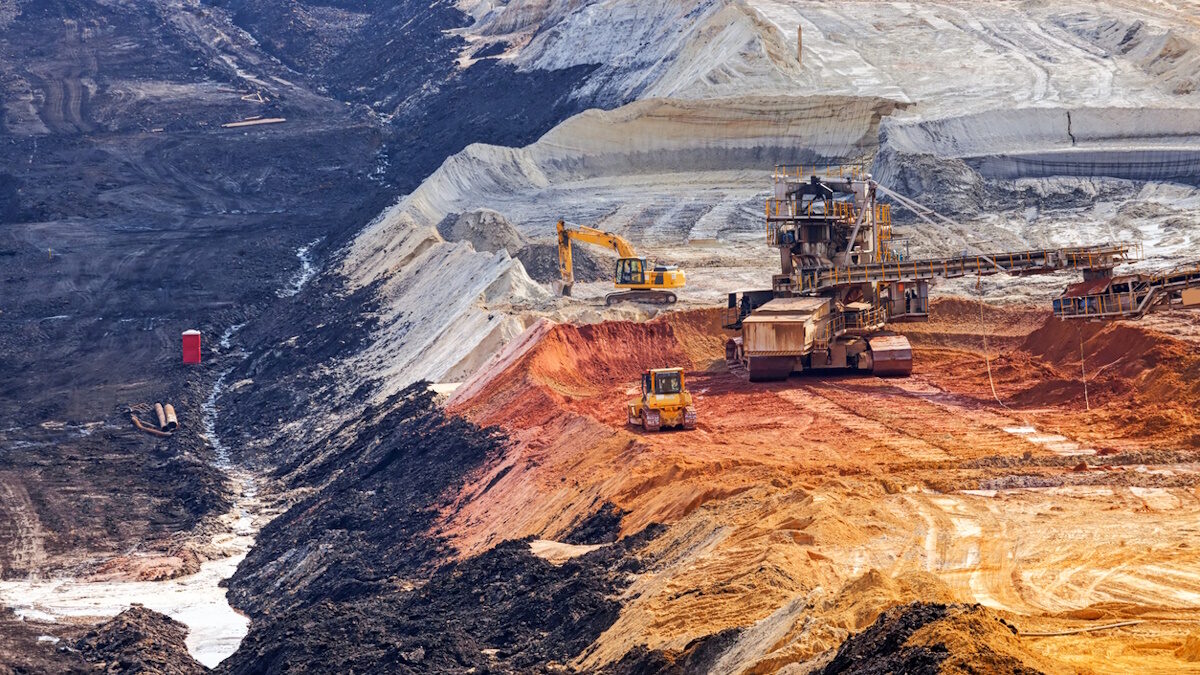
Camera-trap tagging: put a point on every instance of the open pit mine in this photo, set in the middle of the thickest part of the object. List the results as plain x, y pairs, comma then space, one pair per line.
669, 336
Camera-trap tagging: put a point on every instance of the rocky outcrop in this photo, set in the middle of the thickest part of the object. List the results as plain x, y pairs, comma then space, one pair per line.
935, 639
139, 640
355, 577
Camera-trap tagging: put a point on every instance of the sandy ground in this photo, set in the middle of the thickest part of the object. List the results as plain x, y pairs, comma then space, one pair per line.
802, 509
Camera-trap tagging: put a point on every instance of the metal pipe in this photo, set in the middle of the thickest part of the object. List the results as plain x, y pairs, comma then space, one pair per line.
148, 429
172, 421
161, 415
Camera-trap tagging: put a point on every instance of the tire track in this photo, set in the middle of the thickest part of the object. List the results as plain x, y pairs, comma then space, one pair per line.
820, 402
27, 553
65, 98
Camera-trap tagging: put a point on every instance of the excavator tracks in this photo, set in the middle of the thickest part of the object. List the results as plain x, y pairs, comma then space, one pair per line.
651, 297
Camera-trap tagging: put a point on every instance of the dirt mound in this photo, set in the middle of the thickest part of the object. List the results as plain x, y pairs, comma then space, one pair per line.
371, 520
928, 638
602, 527
598, 354
829, 623
860, 602
698, 656
1141, 380
552, 365
139, 640
485, 229
541, 262
1154, 377
700, 334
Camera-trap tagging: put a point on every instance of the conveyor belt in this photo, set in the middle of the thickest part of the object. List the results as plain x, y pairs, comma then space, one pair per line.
1041, 261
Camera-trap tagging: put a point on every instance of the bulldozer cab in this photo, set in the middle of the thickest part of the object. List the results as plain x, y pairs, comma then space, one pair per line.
631, 271
662, 382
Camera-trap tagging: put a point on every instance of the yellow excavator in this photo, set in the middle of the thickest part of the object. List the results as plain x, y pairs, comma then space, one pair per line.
664, 401
645, 282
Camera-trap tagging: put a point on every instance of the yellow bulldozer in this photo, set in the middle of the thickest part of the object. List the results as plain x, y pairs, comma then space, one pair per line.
643, 281
664, 401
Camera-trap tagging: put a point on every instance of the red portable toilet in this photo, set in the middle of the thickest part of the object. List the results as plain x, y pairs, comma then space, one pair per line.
191, 346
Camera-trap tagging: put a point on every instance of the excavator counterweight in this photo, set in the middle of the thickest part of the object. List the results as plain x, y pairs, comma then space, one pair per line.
643, 280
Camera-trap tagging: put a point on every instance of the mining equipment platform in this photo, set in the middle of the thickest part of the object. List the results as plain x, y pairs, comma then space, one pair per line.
842, 281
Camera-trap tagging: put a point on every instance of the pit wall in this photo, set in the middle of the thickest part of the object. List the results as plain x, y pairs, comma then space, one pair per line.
1140, 144
648, 137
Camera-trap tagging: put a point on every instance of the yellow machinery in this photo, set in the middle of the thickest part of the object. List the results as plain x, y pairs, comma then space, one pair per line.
645, 282
665, 401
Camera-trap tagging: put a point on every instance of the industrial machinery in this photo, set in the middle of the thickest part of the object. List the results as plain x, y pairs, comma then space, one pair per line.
842, 283
1130, 296
664, 401
645, 281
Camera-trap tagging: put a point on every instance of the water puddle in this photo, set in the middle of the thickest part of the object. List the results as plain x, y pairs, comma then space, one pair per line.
303, 275
215, 629
1059, 445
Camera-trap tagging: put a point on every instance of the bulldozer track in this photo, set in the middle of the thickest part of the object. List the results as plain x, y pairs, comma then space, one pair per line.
968, 541
649, 297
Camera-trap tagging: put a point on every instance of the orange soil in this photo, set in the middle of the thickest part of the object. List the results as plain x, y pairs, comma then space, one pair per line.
789, 491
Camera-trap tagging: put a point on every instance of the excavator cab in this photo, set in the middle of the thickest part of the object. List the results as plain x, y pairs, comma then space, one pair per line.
631, 271
664, 401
